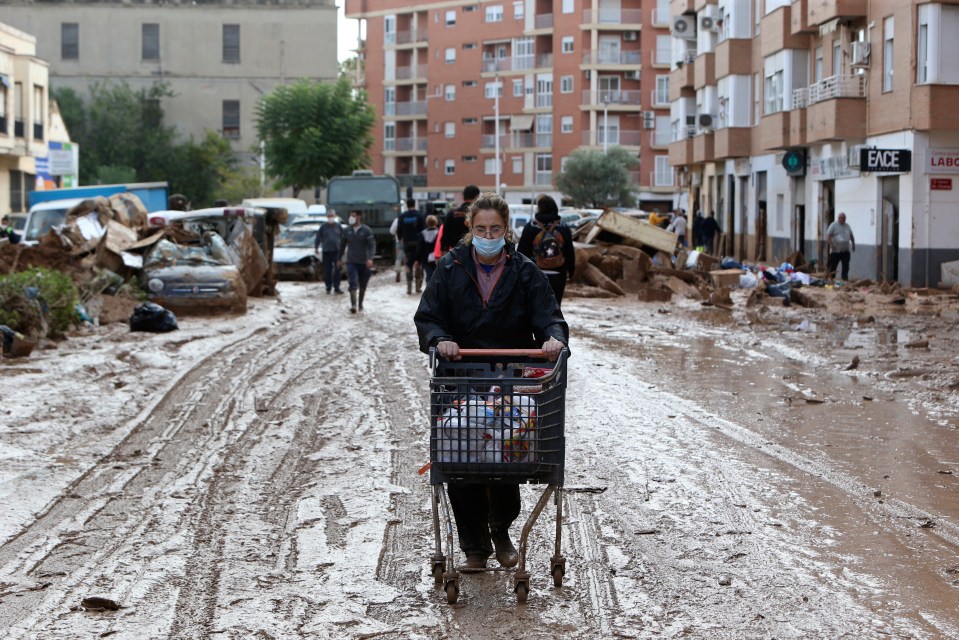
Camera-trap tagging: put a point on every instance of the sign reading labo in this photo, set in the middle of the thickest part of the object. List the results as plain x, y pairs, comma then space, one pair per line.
885, 160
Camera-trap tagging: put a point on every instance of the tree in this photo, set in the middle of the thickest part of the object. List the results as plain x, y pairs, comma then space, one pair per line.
598, 180
313, 132
123, 138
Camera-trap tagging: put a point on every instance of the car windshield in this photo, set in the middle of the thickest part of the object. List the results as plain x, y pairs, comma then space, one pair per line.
297, 237
18, 222
363, 191
42, 221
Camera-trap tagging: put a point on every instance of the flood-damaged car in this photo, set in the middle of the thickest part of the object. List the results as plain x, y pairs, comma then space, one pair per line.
294, 255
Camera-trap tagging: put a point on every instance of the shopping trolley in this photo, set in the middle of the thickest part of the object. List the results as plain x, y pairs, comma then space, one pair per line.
497, 417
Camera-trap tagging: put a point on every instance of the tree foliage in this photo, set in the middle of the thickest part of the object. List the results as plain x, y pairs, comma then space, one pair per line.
313, 132
123, 137
598, 180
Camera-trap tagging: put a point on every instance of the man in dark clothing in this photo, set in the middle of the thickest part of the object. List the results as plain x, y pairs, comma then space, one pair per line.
329, 239
6, 231
408, 233
454, 225
359, 247
698, 229
531, 244
709, 231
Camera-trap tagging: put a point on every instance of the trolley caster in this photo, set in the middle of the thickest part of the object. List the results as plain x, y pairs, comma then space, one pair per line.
437, 568
521, 588
558, 570
452, 587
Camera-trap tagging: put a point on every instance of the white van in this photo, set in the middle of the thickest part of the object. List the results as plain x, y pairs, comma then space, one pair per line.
44, 216
294, 206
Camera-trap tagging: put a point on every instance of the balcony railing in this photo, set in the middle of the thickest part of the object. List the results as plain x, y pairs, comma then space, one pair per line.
662, 178
660, 138
605, 57
801, 98
543, 179
615, 137
543, 21
690, 56
522, 140
37, 131
614, 16
488, 141
411, 179
660, 97
417, 108
411, 72
664, 56
410, 144
544, 139
520, 63
544, 60
837, 87
406, 37
616, 97
683, 133
544, 100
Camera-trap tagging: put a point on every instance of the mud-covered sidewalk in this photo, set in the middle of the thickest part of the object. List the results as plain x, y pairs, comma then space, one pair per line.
748, 473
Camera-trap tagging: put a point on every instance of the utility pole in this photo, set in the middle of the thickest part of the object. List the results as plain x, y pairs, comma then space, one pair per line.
605, 123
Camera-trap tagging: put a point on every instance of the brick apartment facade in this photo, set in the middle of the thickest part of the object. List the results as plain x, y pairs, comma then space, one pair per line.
773, 104
571, 74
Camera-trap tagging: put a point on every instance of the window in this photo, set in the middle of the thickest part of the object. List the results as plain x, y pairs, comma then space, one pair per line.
450, 130
470, 8
566, 84
69, 42
755, 99
18, 130
389, 101
450, 18
517, 164
436, 127
544, 169
566, 124
469, 158
231, 119
450, 92
517, 88
837, 57
3, 107
389, 30
519, 10
817, 68
38, 109
492, 88
450, 55
389, 136
663, 175
661, 133
567, 44
450, 167
662, 90
490, 166
231, 43
607, 132
494, 13
922, 61
887, 53
469, 45
150, 41
567, 6
470, 121
562, 164
774, 88
470, 83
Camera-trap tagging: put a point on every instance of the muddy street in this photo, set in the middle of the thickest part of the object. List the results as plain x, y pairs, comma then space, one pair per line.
257, 478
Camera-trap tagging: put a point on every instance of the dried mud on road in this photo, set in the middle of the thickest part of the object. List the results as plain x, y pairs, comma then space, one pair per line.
256, 477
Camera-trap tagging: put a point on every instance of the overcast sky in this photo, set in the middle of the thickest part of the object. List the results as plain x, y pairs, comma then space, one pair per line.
345, 35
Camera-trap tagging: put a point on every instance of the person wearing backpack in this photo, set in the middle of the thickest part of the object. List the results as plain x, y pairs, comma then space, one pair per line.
548, 242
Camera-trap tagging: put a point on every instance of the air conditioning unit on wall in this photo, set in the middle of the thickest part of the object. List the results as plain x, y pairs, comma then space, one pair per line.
707, 23
860, 54
649, 119
633, 75
684, 27
630, 36
706, 121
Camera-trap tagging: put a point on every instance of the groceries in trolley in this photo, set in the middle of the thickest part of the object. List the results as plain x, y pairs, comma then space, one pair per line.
488, 428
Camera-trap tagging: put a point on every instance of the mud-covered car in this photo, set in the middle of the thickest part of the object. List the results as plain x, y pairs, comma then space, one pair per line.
294, 257
195, 278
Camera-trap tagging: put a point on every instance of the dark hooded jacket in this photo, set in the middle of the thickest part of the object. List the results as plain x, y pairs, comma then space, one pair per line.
521, 312
530, 232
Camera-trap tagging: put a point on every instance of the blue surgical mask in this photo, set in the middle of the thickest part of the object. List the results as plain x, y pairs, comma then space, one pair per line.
489, 247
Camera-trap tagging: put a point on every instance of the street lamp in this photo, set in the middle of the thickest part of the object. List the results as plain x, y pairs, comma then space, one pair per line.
496, 129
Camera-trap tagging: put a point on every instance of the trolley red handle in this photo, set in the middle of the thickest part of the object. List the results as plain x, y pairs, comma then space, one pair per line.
478, 353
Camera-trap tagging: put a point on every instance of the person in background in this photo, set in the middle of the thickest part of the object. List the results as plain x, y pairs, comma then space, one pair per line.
359, 247
548, 242
709, 231
410, 225
426, 243
698, 230
486, 295
840, 241
658, 219
454, 226
678, 226
329, 240
398, 257
6, 231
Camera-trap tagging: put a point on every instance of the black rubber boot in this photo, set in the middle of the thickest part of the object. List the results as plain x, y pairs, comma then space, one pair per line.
505, 551
353, 301
362, 295
409, 283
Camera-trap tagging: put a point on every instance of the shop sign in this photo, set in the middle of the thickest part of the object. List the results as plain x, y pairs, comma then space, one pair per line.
832, 169
942, 161
941, 184
885, 160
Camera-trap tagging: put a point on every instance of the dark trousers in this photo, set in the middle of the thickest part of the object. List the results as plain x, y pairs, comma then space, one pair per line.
707, 242
837, 257
331, 270
479, 507
428, 269
409, 255
557, 282
358, 275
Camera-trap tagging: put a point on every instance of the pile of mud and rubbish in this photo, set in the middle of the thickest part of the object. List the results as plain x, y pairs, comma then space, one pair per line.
111, 256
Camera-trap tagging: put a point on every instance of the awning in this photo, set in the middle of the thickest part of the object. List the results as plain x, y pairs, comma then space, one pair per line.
498, 41
4, 80
521, 123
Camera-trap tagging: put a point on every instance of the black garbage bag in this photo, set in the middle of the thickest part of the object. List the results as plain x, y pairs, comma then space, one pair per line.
6, 337
153, 318
783, 290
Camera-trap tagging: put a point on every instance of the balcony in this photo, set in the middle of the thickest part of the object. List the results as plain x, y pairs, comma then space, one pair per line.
775, 32
605, 58
409, 145
837, 87
521, 140
414, 180
544, 60
837, 119
406, 109
408, 37
704, 148
544, 140
774, 131
615, 138
659, 138
544, 100
488, 141
734, 57
38, 131
681, 152
732, 142
704, 70
820, 11
544, 179
679, 79
543, 21
800, 18
411, 73
626, 18
797, 127
679, 7
934, 107
612, 99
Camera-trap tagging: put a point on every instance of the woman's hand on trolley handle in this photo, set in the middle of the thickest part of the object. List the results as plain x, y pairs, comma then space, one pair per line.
552, 349
448, 350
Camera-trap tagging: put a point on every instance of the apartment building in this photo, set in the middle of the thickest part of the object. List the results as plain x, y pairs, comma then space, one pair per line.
29, 123
500, 93
218, 56
785, 114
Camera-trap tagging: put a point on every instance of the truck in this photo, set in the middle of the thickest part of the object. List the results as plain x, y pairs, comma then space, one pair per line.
376, 197
49, 208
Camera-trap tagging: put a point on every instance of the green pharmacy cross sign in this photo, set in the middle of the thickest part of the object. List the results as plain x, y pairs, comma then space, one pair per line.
794, 162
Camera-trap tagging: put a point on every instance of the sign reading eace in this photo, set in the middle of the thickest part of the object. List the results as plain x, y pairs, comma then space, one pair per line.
885, 160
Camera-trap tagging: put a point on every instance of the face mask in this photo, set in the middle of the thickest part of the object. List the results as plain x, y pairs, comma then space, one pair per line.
352, 220
487, 247
331, 220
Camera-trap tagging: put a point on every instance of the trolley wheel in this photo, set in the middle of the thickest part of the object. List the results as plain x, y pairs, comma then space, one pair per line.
437, 572
558, 576
452, 592
522, 592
